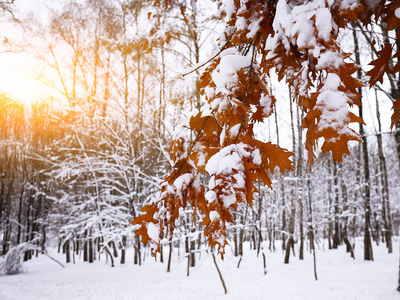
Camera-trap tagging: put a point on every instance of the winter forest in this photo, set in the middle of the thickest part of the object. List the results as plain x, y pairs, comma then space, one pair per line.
216, 149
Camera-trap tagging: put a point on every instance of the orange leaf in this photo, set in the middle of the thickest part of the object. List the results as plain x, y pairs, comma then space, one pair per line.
208, 124
381, 65
143, 220
338, 146
396, 113
150, 210
278, 157
259, 115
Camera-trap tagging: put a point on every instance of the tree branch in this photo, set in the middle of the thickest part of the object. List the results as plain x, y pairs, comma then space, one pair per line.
200, 65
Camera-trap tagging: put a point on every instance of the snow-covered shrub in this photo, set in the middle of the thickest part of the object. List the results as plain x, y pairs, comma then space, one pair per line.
12, 263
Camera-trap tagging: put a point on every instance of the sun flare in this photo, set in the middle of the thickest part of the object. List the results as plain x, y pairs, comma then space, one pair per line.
19, 81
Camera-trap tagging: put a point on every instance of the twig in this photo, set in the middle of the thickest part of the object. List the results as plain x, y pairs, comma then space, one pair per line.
240, 260
198, 66
45, 253
219, 272
264, 261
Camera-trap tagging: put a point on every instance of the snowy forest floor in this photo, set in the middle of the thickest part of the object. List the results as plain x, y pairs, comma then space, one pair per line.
339, 277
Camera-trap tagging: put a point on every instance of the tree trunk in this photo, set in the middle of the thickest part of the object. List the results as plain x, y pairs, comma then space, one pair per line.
398, 285
169, 255
20, 215
290, 242
67, 251
310, 224
235, 235
329, 202
91, 250
78, 245
282, 188
137, 259
368, 255
193, 248
85, 248
300, 178
336, 235
123, 249
386, 216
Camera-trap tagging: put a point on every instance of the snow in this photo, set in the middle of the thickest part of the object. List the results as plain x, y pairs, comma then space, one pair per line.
282, 23
230, 8
339, 277
299, 24
225, 76
253, 28
222, 136
333, 105
224, 161
329, 59
240, 182
228, 162
257, 157
199, 148
181, 182
348, 4
210, 196
244, 22
214, 216
229, 197
397, 12
153, 231
303, 27
324, 23
266, 103
241, 23
234, 131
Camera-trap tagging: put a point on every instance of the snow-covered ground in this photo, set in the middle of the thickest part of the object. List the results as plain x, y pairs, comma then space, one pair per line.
339, 277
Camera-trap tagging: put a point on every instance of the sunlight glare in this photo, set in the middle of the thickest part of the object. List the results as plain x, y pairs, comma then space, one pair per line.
19, 81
